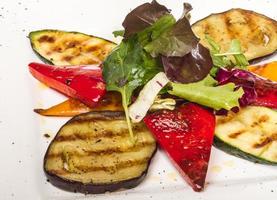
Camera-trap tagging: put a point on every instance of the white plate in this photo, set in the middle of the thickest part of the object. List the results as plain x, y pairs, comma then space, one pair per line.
22, 144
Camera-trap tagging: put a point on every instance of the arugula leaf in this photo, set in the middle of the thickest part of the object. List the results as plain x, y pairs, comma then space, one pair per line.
207, 93
127, 68
223, 59
176, 41
142, 17
218, 61
118, 33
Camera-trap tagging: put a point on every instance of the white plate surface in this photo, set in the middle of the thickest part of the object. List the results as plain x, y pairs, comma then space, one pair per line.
22, 144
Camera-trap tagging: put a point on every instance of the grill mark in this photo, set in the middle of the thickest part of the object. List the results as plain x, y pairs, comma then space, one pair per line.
236, 134
93, 48
67, 58
116, 167
87, 136
262, 119
252, 24
97, 134
106, 151
256, 35
266, 141
225, 119
46, 38
110, 169
229, 26
263, 143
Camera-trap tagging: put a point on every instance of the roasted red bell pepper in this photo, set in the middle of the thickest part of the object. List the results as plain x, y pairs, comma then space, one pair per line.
186, 134
83, 82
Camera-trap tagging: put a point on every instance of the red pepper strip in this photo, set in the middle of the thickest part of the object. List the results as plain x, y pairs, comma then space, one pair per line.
186, 134
83, 82
267, 98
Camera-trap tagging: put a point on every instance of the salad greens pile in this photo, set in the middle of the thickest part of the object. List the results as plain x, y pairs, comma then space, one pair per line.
154, 41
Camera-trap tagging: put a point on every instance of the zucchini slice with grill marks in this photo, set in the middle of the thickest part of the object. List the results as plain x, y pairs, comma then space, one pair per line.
69, 48
92, 153
250, 134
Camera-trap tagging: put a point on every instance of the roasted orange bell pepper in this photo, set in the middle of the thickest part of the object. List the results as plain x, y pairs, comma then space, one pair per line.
71, 107
268, 70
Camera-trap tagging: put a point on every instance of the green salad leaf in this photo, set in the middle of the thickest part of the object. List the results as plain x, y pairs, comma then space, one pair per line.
154, 31
118, 33
178, 40
127, 68
207, 93
142, 17
224, 59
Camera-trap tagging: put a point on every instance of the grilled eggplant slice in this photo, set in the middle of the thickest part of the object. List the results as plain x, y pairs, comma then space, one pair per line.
250, 134
69, 48
256, 32
92, 153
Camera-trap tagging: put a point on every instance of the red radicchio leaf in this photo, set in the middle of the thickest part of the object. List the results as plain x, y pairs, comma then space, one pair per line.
192, 67
142, 17
257, 91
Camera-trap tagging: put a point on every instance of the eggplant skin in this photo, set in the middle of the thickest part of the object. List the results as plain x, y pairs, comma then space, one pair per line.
95, 188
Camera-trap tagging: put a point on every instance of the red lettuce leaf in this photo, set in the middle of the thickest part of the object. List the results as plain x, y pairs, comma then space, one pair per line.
257, 91
192, 67
142, 17
177, 41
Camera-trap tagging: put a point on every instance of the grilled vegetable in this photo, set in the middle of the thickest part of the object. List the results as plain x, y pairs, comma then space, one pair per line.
249, 134
69, 48
268, 70
92, 153
110, 102
256, 32
71, 107
186, 134
81, 82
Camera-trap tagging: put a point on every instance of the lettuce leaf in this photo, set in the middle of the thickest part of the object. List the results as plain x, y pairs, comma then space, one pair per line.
207, 93
153, 32
192, 67
142, 17
177, 41
127, 68
225, 59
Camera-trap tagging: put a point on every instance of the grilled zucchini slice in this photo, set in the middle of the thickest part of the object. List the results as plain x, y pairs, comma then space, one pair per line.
69, 48
256, 32
250, 134
92, 153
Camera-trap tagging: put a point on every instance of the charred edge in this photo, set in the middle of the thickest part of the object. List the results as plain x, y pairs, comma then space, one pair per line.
106, 151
